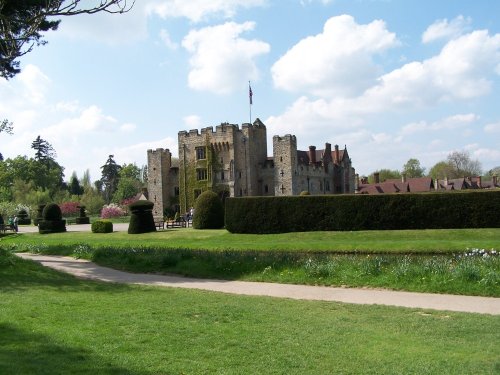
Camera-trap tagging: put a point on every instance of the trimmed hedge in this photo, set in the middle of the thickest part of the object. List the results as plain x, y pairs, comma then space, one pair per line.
477, 209
141, 217
23, 217
102, 226
208, 211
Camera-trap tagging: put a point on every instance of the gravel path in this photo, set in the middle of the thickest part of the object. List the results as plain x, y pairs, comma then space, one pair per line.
88, 270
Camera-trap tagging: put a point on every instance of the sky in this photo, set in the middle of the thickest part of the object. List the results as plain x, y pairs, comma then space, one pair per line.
389, 79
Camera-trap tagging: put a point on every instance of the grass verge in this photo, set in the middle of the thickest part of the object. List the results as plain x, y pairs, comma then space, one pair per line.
53, 323
309, 262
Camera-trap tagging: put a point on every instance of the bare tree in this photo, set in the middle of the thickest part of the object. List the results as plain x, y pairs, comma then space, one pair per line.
22, 22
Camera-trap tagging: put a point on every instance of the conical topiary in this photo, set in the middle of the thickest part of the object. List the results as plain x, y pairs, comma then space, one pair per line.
141, 217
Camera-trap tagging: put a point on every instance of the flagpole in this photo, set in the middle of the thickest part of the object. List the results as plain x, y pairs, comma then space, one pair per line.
250, 94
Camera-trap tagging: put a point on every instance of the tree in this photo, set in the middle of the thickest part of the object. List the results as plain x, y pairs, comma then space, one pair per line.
384, 174
5, 126
413, 169
110, 178
494, 171
43, 150
457, 164
74, 185
23, 22
463, 165
441, 170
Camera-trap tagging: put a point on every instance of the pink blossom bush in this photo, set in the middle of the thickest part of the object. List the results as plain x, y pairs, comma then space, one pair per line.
111, 210
69, 208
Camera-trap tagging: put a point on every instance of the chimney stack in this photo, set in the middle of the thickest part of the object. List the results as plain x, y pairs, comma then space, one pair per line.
337, 154
312, 154
376, 177
403, 177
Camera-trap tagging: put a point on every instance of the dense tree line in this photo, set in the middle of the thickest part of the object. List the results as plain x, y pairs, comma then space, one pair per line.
29, 181
457, 164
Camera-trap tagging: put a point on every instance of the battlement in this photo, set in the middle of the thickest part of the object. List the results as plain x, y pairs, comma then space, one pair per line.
159, 151
285, 138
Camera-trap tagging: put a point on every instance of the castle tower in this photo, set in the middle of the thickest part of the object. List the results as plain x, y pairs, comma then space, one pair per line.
159, 163
285, 165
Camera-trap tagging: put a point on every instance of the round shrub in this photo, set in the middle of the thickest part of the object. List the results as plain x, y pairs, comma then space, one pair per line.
52, 212
51, 221
141, 217
208, 211
102, 226
305, 192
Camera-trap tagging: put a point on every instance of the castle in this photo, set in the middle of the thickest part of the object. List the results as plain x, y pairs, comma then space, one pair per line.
233, 162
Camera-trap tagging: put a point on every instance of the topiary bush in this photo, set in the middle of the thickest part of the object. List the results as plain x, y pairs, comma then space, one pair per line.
52, 221
208, 211
141, 217
305, 192
82, 217
102, 226
23, 217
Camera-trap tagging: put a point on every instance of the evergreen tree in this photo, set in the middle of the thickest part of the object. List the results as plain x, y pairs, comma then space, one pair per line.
74, 185
43, 150
110, 178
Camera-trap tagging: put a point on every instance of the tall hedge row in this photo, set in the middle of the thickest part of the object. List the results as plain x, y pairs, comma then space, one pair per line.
363, 212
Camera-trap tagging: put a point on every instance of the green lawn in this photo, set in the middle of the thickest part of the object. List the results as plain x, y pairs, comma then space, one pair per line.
418, 260
390, 241
52, 323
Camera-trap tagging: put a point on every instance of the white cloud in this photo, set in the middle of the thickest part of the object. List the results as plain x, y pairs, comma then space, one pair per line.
167, 41
192, 121
199, 10
108, 28
442, 29
128, 127
454, 122
35, 84
221, 60
492, 128
337, 61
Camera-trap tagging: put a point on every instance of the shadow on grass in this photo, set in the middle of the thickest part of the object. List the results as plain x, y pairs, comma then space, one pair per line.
19, 274
24, 352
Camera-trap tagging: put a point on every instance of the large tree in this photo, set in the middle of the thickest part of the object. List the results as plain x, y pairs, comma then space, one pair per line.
22, 23
110, 177
413, 169
457, 164
43, 150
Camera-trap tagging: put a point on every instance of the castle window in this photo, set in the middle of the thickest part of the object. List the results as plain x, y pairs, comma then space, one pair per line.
240, 174
222, 175
201, 174
197, 193
281, 158
327, 185
200, 153
266, 189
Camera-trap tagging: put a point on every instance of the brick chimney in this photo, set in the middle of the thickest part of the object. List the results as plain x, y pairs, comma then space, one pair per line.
376, 177
312, 154
403, 177
479, 182
337, 154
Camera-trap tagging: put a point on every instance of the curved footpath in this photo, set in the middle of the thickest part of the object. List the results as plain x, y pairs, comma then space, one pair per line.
88, 270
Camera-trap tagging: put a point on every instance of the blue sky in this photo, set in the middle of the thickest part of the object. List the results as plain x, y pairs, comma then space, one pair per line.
391, 80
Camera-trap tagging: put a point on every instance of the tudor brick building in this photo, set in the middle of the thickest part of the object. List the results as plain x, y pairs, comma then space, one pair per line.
234, 162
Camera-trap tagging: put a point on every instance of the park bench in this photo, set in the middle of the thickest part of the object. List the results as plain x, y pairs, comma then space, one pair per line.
6, 227
159, 223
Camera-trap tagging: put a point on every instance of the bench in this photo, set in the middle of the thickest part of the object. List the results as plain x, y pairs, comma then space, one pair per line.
159, 223
179, 223
5, 227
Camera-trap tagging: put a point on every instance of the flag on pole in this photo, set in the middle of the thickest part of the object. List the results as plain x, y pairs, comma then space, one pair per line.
250, 93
